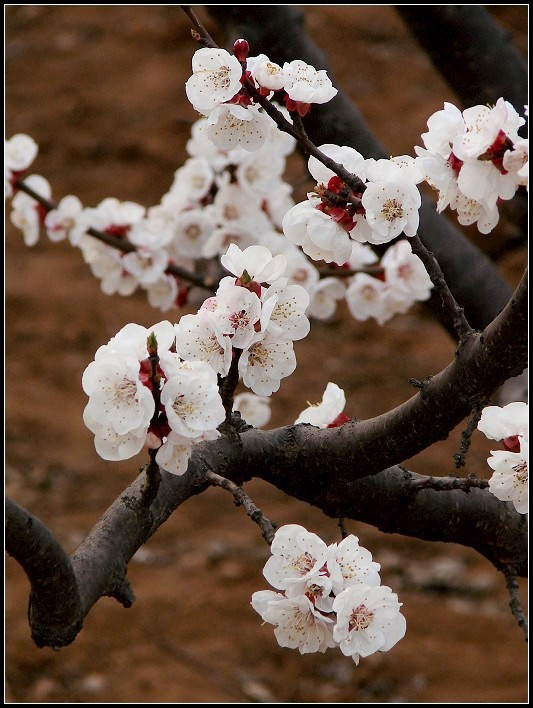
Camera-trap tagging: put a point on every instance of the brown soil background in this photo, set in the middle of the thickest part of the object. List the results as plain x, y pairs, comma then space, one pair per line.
101, 89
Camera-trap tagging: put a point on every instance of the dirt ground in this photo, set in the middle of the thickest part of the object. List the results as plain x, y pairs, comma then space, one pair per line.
101, 89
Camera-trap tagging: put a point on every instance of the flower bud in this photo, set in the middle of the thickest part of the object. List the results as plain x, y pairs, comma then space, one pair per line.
241, 49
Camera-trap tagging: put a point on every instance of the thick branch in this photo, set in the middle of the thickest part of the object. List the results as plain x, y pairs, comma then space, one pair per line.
337, 470
277, 30
466, 36
53, 623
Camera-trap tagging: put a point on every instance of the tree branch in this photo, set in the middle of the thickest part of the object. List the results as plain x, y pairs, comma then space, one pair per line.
55, 611
515, 604
120, 244
268, 528
458, 36
337, 469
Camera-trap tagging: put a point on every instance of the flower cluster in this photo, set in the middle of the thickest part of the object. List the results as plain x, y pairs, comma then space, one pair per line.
383, 204
332, 596
159, 386
509, 424
474, 159
142, 392
224, 88
255, 315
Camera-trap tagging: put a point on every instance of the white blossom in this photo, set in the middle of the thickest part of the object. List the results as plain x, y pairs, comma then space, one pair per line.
131, 340
369, 297
256, 261
111, 445
231, 125
117, 398
60, 221
192, 229
323, 297
510, 480
368, 620
236, 314
194, 178
197, 339
19, 152
216, 78
348, 157
305, 84
267, 73
298, 624
25, 211
145, 264
153, 234
265, 362
391, 208
482, 126
163, 293
174, 454
191, 399
405, 273
322, 414
320, 237
349, 563
444, 126
498, 423
255, 410
470, 211
297, 556
287, 320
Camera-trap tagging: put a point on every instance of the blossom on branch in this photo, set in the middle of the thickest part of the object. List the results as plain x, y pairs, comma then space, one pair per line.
298, 624
19, 152
368, 620
510, 424
474, 159
332, 596
304, 84
216, 78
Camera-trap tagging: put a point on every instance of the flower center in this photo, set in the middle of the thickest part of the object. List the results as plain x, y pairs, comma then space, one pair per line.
521, 472
182, 407
304, 563
257, 354
392, 209
239, 319
361, 618
192, 232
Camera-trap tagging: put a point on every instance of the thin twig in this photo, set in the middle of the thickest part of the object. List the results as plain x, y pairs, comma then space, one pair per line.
446, 484
515, 604
268, 528
120, 244
208, 41
456, 313
466, 436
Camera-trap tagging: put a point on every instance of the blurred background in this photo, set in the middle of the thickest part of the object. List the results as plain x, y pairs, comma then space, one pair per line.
101, 90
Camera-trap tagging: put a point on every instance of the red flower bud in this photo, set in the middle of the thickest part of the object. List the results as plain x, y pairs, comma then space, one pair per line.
241, 49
